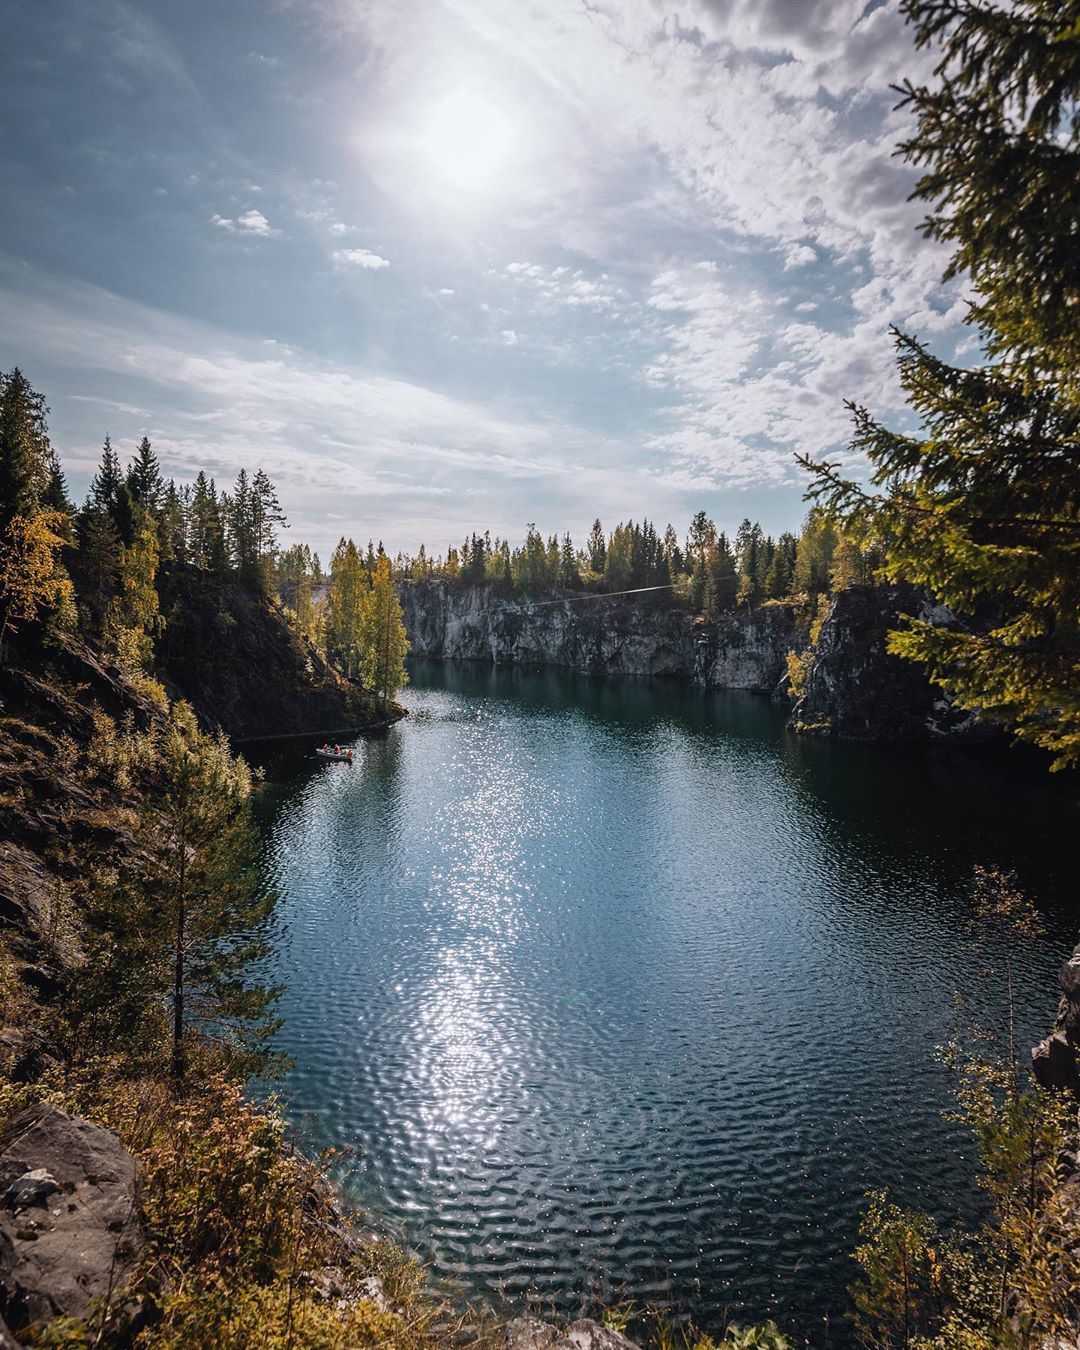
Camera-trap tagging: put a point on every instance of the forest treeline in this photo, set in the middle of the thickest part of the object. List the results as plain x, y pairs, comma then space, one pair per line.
94, 568
704, 571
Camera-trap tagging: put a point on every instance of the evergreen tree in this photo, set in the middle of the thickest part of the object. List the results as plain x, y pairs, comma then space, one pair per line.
98, 559
780, 578
55, 497
384, 643
700, 537
983, 509
569, 578
721, 581
27, 463
619, 561
144, 481
349, 586
814, 553
107, 484
749, 558
172, 525
673, 552
134, 616
198, 898
596, 547
265, 515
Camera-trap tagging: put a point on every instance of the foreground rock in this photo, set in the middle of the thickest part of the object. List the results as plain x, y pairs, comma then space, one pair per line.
529, 1333
1054, 1060
600, 636
69, 1225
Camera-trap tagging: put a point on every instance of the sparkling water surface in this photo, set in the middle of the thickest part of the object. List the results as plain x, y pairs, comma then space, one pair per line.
619, 990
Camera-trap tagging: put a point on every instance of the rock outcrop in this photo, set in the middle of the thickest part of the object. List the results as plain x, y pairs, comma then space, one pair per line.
856, 690
1054, 1060
600, 636
529, 1333
229, 652
69, 1225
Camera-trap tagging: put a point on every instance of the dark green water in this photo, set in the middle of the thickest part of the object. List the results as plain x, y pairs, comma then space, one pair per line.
621, 990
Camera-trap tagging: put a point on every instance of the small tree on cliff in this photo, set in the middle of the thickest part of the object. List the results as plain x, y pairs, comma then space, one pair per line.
32, 580
201, 904
384, 644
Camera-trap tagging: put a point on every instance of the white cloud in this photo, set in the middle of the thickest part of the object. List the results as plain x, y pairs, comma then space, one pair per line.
798, 255
509, 337
360, 257
250, 223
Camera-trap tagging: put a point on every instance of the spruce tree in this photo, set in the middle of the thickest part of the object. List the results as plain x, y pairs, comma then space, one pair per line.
144, 481
107, 483
26, 459
982, 507
597, 548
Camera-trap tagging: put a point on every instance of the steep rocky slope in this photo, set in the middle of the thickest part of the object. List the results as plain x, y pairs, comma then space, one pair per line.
232, 655
856, 690
600, 636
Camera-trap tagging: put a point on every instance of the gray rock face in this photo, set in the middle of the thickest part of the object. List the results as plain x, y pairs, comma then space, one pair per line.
529, 1333
599, 636
856, 690
1054, 1060
69, 1225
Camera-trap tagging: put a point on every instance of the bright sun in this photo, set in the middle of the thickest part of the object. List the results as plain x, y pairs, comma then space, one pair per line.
467, 139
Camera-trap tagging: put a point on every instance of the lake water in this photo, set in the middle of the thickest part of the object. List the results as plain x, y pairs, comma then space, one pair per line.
620, 990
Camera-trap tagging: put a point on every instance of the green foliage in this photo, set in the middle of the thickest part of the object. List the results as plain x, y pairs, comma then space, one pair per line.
383, 643
1014, 1281
27, 465
349, 585
32, 578
982, 509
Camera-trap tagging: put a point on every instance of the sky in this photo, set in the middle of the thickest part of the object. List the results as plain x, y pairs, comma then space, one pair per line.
444, 265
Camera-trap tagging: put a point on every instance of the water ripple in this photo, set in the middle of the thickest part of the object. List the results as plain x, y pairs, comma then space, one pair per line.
617, 990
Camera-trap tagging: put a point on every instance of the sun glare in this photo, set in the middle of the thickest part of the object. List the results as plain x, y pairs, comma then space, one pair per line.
468, 139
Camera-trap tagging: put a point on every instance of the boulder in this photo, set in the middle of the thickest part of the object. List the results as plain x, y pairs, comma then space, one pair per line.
69, 1221
529, 1333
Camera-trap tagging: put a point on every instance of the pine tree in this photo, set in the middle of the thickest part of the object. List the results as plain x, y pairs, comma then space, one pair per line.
202, 902
384, 644
26, 459
266, 514
983, 508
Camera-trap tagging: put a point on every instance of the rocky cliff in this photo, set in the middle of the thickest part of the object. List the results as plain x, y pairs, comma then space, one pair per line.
229, 652
600, 636
854, 689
